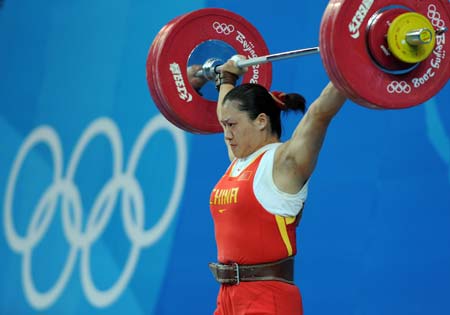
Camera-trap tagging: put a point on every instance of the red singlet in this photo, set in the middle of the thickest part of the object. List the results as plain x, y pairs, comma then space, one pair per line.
247, 234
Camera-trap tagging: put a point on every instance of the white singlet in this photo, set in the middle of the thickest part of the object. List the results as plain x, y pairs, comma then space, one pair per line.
267, 193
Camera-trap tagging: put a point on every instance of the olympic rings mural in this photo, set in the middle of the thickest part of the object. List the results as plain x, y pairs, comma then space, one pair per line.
81, 238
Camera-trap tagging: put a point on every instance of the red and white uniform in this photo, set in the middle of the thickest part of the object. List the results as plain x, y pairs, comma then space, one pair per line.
247, 233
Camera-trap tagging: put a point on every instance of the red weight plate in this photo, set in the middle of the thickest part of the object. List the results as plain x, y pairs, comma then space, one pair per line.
372, 86
337, 76
162, 103
151, 79
167, 64
324, 45
351, 93
326, 50
157, 92
324, 42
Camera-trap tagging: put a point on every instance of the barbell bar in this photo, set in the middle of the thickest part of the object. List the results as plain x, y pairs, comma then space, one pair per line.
353, 47
414, 38
212, 68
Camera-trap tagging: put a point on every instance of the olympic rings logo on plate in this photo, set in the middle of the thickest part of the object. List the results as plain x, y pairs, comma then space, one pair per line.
399, 87
435, 16
223, 28
81, 239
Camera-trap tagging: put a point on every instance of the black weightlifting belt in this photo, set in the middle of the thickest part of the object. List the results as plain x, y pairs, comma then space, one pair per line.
281, 270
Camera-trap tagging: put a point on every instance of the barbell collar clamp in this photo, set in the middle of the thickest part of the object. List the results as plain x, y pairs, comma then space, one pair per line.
209, 68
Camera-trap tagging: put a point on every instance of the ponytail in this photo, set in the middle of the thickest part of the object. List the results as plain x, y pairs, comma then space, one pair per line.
291, 101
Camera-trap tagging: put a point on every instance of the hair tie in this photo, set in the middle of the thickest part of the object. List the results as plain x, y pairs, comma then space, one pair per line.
279, 98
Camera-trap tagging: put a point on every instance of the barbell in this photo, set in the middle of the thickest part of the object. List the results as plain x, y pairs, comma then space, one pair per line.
380, 54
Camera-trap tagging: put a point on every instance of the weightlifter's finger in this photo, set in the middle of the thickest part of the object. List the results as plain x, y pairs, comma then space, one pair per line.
231, 65
196, 81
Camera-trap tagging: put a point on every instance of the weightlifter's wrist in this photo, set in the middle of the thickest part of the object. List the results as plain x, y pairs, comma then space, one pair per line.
226, 77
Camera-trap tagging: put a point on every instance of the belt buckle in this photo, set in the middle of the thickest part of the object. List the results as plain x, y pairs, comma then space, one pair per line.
238, 276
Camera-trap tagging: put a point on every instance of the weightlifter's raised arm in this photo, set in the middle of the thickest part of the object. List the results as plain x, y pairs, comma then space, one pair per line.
297, 157
225, 82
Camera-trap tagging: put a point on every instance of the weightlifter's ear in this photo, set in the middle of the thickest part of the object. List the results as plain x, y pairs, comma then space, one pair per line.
262, 120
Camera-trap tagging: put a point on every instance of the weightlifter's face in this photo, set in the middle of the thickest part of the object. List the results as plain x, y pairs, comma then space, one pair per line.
241, 133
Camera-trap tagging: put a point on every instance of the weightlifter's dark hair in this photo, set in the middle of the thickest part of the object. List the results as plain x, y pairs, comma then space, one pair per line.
256, 99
